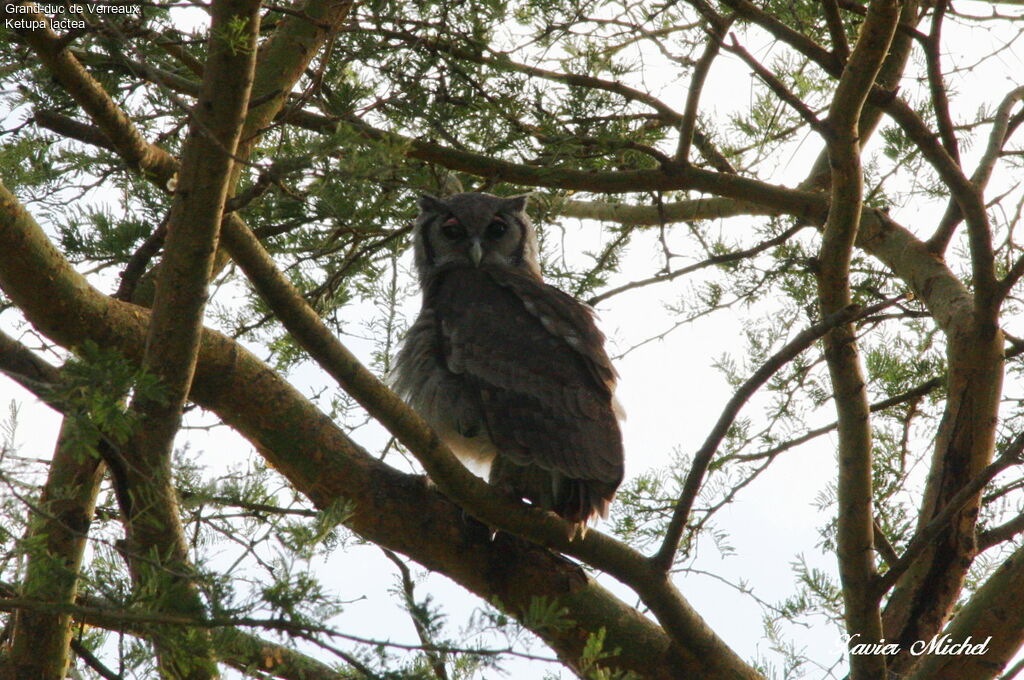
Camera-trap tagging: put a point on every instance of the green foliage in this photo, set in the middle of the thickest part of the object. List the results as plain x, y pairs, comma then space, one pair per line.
545, 614
306, 539
94, 391
594, 653
101, 236
235, 35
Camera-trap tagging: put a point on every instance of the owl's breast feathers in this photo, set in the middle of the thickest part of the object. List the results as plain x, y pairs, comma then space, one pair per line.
533, 360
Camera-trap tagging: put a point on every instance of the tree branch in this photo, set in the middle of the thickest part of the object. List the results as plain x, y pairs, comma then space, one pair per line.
665, 556
391, 509
854, 536
437, 660
23, 366
937, 85
40, 640
836, 30
688, 122
798, 41
776, 86
1000, 126
172, 343
999, 534
994, 615
939, 522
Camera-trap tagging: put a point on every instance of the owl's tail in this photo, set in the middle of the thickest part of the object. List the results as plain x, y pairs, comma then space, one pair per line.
580, 501
577, 501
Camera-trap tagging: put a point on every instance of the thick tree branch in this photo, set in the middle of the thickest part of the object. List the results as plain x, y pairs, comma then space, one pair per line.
391, 509
282, 61
23, 366
999, 534
41, 640
854, 534
172, 344
923, 598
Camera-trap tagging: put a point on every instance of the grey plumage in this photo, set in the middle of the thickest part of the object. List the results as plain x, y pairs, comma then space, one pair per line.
510, 371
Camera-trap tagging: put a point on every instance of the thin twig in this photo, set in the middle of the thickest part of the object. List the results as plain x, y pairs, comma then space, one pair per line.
710, 262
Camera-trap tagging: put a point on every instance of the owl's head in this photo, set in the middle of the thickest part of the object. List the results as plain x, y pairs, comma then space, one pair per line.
474, 230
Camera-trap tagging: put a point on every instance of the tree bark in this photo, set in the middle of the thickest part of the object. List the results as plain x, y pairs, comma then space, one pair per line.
156, 549
855, 521
40, 641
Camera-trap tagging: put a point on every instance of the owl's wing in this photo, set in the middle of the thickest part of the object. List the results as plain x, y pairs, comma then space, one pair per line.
534, 358
565, 317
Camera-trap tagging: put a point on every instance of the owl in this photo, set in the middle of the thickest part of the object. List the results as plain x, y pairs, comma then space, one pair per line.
510, 371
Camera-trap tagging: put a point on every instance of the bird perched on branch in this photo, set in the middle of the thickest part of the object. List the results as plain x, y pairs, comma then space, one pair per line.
510, 371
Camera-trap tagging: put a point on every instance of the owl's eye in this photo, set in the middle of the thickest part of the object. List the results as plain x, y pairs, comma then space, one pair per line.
452, 230
496, 229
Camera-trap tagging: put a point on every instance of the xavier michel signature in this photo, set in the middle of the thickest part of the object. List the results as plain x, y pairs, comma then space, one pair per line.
941, 645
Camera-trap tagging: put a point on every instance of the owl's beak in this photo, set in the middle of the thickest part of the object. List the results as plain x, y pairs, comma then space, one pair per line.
476, 252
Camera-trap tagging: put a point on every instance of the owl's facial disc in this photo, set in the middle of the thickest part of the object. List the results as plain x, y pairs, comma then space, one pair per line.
452, 230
